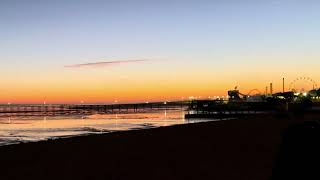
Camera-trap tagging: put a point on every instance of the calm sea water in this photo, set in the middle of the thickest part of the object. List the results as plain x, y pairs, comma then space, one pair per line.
17, 129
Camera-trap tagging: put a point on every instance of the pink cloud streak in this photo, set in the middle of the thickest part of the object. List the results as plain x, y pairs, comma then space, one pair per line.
104, 64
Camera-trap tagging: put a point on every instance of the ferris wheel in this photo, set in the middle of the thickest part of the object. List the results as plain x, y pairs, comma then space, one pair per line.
303, 84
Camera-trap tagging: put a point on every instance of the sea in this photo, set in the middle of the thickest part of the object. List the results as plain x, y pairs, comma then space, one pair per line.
22, 128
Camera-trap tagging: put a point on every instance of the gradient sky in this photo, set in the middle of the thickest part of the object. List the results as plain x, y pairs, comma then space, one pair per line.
139, 50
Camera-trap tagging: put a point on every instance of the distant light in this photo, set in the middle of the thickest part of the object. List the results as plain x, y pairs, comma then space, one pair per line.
147, 102
164, 102
9, 103
305, 94
191, 97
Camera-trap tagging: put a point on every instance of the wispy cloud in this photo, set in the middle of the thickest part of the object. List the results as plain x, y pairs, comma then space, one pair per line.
105, 63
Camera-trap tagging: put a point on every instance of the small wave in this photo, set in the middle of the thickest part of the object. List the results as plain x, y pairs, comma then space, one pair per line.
91, 129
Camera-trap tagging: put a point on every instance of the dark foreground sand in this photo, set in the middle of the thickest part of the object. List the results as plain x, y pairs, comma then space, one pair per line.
234, 149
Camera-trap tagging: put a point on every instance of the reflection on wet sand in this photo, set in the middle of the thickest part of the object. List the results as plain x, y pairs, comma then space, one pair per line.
34, 128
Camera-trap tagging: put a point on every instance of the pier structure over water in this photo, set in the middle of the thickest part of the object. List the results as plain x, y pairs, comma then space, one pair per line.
69, 109
226, 109
235, 109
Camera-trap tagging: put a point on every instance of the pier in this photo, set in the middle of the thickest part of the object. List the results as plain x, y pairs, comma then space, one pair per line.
69, 109
230, 109
226, 109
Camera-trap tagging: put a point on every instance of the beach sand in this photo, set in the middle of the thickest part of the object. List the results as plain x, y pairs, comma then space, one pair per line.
230, 149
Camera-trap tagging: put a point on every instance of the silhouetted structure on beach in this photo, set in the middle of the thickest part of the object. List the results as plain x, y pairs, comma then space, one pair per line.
239, 104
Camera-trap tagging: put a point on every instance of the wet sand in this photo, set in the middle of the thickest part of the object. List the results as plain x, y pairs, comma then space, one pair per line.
231, 149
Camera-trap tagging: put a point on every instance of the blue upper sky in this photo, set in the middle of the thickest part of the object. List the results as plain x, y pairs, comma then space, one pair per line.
84, 30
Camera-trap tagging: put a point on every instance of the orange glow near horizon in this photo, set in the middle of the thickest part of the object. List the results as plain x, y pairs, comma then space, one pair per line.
139, 91
156, 81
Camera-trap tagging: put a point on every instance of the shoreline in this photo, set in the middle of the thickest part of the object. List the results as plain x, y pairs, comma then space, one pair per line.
232, 149
96, 132
15, 129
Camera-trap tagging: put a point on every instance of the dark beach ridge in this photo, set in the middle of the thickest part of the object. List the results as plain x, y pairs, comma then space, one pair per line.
247, 148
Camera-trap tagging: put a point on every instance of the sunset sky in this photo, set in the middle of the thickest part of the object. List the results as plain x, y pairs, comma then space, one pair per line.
67, 51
